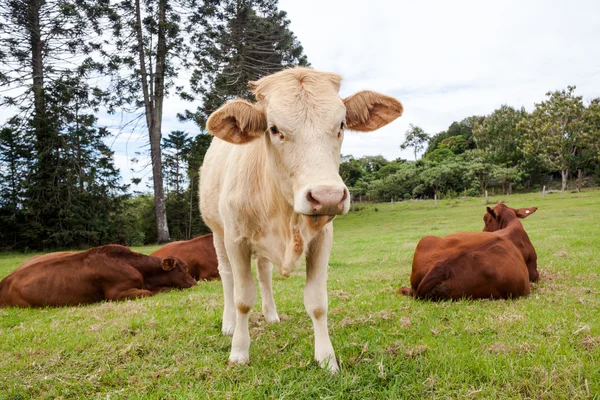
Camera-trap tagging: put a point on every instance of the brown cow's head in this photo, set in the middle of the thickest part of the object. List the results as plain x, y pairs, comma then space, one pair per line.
174, 275
500, 216
301, 119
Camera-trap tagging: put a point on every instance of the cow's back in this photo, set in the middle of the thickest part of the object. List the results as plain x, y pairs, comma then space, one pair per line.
198, 253
65, 280
468, 264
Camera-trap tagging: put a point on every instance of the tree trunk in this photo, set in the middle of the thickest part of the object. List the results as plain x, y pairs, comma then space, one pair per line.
154, 107
509, 187
579, 179
564, 173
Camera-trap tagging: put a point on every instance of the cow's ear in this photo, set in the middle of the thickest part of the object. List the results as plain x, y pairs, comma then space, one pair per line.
491, 212
367, 111
237, 122
525, 212
168, 263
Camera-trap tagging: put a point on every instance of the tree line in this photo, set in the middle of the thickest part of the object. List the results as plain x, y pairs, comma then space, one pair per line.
63, 62
509, 149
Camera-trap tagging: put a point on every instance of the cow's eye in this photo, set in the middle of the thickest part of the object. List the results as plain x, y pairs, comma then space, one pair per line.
342, 125
274, 129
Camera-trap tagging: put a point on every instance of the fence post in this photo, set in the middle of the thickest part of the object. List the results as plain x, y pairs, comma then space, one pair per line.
486, 198
435, 200
543, 191
392, 201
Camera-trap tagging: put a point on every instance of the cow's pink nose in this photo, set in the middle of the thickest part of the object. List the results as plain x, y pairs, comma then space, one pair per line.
327, 199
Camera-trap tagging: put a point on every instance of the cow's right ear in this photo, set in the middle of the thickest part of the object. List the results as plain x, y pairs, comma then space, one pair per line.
168, 263
237, 122
367, 111
491, 212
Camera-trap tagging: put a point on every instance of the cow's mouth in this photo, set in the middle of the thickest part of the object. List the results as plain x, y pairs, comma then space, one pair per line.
316, 222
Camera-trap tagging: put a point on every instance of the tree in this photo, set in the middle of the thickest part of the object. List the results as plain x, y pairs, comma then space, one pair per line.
497, 136
175, 147
555, 132
415, 138
350, 170
463, 128
67, 177
147, 70
240, 41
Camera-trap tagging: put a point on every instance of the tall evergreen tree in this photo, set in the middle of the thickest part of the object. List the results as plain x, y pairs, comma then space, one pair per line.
240, 41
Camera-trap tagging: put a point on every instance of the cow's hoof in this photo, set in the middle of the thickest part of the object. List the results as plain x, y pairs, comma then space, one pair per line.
227, 330
238, 358
271, 317
329, 364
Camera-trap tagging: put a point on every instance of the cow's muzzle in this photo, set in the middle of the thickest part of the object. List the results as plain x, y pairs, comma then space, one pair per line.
323, 199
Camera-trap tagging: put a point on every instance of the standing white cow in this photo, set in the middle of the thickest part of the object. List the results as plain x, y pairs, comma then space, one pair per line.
270, 187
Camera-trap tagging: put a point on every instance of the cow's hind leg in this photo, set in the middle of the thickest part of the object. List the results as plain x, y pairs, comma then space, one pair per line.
244, 297
265, 280
228, 324
315, 296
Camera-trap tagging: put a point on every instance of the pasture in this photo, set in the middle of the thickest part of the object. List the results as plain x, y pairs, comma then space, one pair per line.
546, 345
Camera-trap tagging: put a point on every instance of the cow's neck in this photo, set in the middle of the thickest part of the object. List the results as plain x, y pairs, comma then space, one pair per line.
515, 232
273, 218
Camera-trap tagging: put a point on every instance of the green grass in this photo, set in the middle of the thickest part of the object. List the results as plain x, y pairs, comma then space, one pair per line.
169, 346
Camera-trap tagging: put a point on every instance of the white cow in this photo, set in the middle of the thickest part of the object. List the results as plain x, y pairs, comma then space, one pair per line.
270, 187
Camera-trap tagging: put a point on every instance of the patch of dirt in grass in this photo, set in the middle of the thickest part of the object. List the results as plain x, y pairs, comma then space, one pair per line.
503, 348
400, 348
590, 342
122, 308
498, 348
509, 317
340, 294
366, 319
527, 347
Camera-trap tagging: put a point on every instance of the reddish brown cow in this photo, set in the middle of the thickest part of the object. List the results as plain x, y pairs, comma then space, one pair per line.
109, 272
199, 254
496, 263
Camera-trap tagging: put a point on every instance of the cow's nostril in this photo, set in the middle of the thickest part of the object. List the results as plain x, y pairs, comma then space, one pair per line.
345, 196
315, 203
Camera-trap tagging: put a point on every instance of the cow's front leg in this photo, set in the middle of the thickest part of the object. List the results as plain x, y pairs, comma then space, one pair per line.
244, 295
228, 324
315, 296
265, 280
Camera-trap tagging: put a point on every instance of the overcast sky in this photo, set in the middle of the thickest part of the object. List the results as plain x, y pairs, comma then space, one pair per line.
444, 60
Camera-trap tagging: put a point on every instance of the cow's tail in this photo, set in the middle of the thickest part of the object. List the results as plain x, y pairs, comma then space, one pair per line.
431, 286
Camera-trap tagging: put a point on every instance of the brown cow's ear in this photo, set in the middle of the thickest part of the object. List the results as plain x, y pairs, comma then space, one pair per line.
491, 212
525, 212
168, 263
367, 111
237, 122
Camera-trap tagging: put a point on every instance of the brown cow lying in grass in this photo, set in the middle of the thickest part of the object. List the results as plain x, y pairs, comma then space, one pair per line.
109, 272
199, 254
496, 263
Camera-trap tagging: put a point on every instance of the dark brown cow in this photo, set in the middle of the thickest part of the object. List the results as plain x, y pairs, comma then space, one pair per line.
199, 254
109, 272
496, 263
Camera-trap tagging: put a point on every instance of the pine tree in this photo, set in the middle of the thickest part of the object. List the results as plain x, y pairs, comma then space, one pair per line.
241, 41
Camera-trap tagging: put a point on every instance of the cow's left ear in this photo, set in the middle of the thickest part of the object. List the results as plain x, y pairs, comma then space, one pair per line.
491, 212
367, 111
525, 212
168, 263
237, 122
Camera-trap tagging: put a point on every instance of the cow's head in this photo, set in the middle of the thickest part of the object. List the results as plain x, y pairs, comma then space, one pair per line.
301, 119
174, 274
500, 216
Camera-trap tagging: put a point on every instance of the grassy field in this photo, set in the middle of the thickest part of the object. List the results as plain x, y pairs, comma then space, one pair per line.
169, 346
